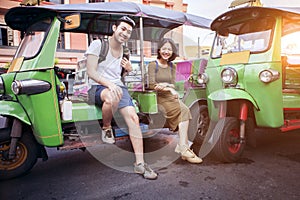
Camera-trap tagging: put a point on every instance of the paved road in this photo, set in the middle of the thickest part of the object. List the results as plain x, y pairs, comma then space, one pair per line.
270, 171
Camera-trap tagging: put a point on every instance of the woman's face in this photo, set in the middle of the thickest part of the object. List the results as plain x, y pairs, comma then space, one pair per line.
166, 51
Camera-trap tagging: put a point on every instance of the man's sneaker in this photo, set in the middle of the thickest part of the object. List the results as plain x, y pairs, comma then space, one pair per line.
145, 170
108, 136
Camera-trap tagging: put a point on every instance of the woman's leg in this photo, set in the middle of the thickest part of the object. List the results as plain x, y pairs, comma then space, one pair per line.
183, 146
182, 131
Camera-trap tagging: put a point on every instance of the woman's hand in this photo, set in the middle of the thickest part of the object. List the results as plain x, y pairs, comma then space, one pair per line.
160, 87
166, 87
174, 93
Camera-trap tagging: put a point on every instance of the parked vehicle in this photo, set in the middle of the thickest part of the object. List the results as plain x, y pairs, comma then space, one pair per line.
39, 109
252, 77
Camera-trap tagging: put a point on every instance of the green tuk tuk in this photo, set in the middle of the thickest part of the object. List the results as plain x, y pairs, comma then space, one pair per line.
38, 109
252, 77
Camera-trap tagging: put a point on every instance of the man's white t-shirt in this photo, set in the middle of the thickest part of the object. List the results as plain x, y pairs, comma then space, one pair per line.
110, 68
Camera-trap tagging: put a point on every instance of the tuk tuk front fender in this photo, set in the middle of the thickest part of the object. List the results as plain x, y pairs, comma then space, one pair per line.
14, 109
231, 94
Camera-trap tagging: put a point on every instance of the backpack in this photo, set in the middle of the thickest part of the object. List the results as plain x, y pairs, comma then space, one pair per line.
105, 48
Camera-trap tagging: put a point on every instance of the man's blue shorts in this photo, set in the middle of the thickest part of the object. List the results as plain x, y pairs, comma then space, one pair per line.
97, 89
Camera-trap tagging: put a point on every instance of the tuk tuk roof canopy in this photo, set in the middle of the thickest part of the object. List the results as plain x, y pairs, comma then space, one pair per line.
99, 17
230, 19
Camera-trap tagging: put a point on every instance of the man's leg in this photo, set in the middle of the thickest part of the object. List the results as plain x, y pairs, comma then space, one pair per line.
110, 105
135, 133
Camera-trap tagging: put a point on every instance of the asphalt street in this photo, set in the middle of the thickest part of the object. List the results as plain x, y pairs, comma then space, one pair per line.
269, 171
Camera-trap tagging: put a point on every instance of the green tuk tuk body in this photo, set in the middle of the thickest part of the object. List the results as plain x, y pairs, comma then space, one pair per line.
252, 81
31, 108
36, 110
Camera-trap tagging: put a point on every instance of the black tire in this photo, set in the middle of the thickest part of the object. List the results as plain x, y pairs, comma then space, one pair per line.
27, 152
228, 147
199, 124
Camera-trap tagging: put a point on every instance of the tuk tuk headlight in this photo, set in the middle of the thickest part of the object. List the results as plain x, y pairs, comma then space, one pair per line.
229, 76
29, 86
202, 78
2, 88
268, 75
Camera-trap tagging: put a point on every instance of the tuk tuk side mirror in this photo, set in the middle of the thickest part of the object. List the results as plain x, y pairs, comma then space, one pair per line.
72, 21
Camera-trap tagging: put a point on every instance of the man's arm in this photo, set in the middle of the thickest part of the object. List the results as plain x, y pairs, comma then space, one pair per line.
92, 64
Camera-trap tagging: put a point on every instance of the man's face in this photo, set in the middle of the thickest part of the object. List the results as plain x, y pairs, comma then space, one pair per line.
122, 32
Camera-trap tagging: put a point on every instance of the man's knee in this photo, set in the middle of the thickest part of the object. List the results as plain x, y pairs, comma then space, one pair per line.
110, 99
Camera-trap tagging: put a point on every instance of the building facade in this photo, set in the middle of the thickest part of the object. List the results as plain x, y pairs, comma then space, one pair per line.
73, 45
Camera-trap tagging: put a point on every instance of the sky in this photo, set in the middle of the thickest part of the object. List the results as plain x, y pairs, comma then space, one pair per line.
213, 8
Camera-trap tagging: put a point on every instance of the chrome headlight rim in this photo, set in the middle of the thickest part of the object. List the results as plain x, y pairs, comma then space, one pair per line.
268, 75
2, 86
30, 86
202, 78
15, 87
231, 76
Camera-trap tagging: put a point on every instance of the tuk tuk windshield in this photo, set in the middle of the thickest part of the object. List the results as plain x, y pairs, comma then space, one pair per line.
251, 35
33, 39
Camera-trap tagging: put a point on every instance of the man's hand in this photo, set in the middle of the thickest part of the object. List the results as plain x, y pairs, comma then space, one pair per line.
126, 64
115, 90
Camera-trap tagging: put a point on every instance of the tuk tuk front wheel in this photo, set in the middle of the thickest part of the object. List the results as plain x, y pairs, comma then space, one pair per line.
229, 146
25, 159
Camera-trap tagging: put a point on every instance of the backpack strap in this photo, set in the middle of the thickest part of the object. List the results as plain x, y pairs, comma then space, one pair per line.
104, 49
156, 68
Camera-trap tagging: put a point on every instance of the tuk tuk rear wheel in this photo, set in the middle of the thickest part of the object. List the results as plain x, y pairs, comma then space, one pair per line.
25, 159
198, 126
228, 147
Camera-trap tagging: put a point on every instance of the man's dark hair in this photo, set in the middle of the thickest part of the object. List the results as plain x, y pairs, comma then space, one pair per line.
174, 48
127, 20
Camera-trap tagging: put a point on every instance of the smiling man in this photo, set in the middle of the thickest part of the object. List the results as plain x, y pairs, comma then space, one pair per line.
108, 91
